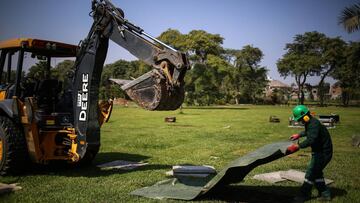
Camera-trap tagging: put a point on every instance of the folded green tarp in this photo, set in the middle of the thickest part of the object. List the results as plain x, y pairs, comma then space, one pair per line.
189, 188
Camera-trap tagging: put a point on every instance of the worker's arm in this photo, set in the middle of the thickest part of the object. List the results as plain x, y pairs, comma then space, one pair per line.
302, 133
311, 134
294, 137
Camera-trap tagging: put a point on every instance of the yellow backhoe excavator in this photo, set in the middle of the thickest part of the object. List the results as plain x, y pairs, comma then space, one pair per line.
42, 121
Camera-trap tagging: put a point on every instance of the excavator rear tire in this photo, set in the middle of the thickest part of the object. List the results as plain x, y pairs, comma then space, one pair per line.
13, 149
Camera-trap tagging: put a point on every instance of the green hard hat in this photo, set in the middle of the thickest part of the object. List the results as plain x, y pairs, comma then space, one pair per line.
299, 111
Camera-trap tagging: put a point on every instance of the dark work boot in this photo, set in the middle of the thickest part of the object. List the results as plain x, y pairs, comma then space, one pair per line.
301, 198
325, 196
324, 191
305, 192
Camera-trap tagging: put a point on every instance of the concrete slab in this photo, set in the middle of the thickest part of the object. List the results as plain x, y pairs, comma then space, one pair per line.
195, 175
272, 177
205, 169
6, 188
191, 171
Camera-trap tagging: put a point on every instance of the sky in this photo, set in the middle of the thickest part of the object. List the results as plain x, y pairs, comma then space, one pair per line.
265, 24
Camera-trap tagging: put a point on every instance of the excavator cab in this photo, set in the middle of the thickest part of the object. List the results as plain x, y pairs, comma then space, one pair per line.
47, 91
13, 82
38, 111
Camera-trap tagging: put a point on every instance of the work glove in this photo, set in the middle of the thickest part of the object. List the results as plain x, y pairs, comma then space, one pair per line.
292, 149
294, 137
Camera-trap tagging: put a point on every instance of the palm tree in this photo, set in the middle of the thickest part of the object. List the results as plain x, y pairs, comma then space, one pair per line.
350, 18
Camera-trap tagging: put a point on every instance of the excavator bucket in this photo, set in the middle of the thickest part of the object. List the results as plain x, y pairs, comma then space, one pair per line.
153, 92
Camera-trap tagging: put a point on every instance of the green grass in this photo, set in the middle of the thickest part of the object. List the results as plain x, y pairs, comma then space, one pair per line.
212, 136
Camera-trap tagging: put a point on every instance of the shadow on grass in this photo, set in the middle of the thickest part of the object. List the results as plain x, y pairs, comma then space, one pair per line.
76, 170
260, 193
103, 157
216, 108
182, 126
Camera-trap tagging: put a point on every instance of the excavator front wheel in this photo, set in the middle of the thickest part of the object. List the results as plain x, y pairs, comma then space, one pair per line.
13, 149
89, 156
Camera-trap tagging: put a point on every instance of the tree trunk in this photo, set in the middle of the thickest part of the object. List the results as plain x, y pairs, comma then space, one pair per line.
297, 80
301, 87
302, 98
321, 91
298, 96
237, 94
345, 98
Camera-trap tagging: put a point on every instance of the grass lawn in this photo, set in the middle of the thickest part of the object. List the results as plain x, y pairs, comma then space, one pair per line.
212, 136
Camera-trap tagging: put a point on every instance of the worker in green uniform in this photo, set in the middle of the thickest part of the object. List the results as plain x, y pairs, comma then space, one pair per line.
318, 138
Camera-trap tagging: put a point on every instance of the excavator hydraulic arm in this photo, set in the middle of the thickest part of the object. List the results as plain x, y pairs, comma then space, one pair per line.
160, 89
163, 87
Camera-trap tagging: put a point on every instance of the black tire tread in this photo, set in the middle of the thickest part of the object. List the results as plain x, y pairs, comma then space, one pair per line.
15, 158
89, 156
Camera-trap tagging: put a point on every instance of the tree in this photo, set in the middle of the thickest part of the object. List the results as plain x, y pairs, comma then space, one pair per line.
204, 80
205, 87
174, 38
315, 54
302, 59
120, 69
198, 43
64, 71
38, 71
291, 65
233, 80
349, 73
350, 18
12, 77
251, 79
230, 56
221, 70
202, 43
332, 57
218, 75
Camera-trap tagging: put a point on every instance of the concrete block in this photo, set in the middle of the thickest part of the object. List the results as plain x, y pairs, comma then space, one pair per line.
272, 177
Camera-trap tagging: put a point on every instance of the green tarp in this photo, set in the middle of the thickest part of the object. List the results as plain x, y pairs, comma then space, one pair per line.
189, 188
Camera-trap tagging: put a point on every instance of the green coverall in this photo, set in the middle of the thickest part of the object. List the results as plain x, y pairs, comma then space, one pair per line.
318, 137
